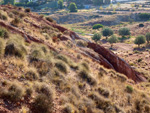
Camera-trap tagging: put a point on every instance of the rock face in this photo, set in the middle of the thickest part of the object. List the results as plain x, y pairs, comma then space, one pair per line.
118, 64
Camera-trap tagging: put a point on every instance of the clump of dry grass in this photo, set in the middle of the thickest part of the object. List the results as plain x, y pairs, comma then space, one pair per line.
14, 93
14, 47
16, 21
61, 66
2, 47
31, 74
84, 74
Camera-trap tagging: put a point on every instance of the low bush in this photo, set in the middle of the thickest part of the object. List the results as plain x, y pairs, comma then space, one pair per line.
97, 26
15, 48
3, 17
69, 108
4, 33
15, 22
50, 19
63, 58
141, 25
129, 89
14, 93
31, 74
42, 104
45, 89
81, 43
100, 101
27, 10
84, 74
104, 92
61, 66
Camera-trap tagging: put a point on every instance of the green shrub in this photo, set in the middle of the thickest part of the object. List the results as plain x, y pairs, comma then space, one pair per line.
4, 33
140, 40
96, 37
42, 104
97, 26
124, 32
61, 66
107, 32
73, 7
129, 89
144, 16
112, 39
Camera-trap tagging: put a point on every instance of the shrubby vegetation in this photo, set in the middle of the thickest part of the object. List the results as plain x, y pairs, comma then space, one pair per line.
140, 40
96, 37
97, 26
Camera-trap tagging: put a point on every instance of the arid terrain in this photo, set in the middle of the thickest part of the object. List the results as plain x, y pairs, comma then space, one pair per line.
46, 67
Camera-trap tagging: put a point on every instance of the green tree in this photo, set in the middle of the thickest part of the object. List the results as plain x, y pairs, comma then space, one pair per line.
118, 4
107, 32
9, 1
124, 32
96, 37
148, 37
140, 40
112, 39
60, 4
98, 2
73, 7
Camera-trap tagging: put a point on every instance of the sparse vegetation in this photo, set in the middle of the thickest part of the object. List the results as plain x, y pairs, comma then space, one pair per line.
97, 26
140, 40
107, 32
112, 39
96, 37
124, 32
72, 74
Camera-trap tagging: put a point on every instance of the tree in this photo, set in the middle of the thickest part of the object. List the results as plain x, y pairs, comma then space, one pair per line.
140, 40
60, 4
98, 2
107, 32
73, 7
96, 37
112, 39
9, 1
118, 4
124, 32
148, 37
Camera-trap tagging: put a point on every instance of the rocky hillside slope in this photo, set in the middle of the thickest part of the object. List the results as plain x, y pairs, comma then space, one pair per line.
46, 68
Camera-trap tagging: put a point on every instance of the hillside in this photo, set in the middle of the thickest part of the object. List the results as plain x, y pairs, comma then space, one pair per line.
46, 68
